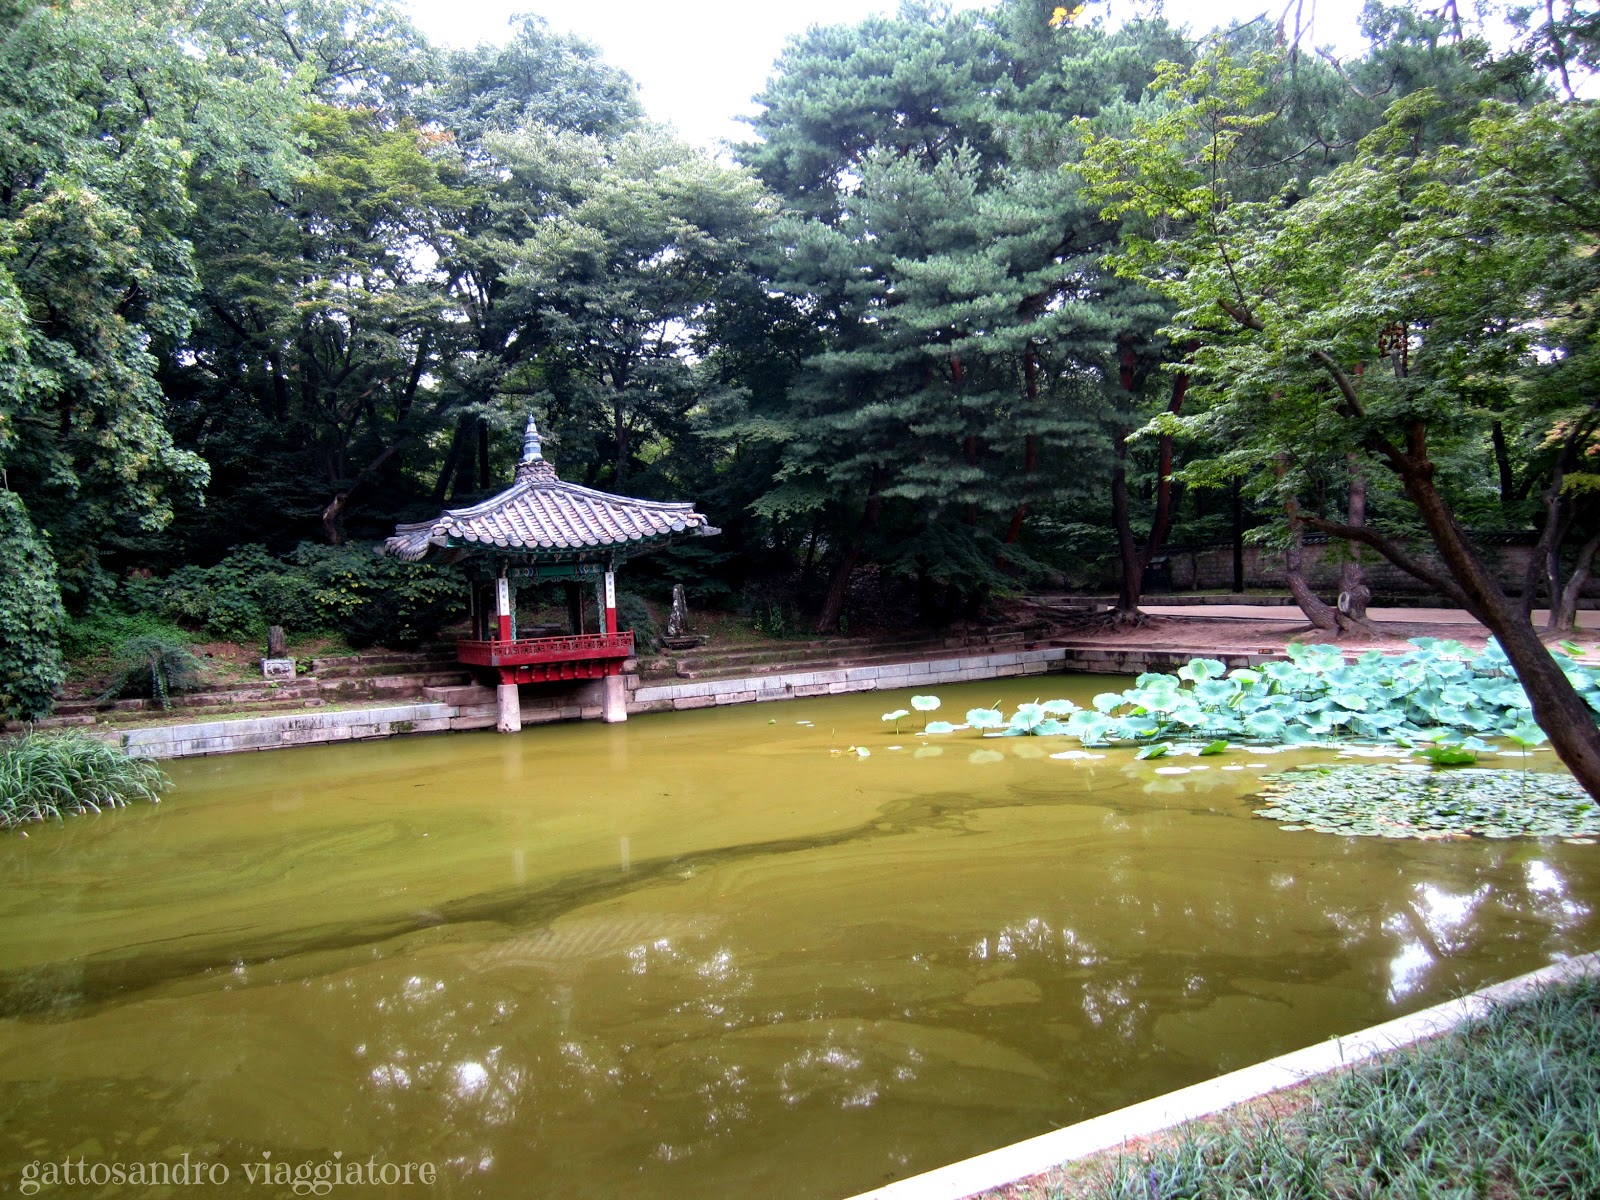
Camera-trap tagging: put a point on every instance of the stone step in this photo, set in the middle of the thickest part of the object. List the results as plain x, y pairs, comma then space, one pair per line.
811, 652
465, 695
390, 685
359, 666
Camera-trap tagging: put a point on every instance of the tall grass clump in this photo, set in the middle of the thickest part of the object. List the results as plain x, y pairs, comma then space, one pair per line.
1508, 1106
46, 775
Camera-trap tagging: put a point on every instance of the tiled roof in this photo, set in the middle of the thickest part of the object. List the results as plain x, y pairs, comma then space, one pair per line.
544, 516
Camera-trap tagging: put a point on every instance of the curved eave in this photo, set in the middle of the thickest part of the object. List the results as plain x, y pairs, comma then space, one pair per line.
549, 520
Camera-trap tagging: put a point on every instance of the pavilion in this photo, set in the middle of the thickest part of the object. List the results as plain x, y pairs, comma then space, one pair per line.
543, 529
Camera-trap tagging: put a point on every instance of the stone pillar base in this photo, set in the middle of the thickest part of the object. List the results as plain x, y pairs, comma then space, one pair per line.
508, 709
614, 702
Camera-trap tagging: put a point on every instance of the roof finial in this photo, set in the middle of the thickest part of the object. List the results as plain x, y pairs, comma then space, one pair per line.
531, 442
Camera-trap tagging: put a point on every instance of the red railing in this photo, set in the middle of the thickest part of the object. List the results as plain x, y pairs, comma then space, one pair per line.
530, 651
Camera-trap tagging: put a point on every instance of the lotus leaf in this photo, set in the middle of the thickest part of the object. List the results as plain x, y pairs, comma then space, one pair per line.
1201, 669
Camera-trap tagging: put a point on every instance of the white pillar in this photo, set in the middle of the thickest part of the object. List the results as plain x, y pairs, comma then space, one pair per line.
509, 706
614, 700
502, 605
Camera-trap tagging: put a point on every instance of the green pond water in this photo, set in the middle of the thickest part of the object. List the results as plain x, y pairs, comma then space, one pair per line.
706, 954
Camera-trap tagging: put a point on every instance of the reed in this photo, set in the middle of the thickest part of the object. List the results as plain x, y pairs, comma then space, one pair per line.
46, 775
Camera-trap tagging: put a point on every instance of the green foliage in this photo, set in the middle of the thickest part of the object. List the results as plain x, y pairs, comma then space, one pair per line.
99, 632
633, 612
31, 667
537, 78
43, 775
1317, 695
770, 610
152, 668
349, 590
1437, 698
1506, 1105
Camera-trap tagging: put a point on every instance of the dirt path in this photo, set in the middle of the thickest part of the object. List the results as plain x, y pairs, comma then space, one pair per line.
1240, 628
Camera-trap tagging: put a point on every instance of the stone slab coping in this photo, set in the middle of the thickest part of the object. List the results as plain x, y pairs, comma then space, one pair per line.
1039, 1154
310, 719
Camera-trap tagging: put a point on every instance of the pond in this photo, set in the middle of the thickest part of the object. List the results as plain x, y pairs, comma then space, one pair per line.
707, 953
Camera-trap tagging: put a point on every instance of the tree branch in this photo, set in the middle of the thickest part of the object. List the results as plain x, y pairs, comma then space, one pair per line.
1442, 584
1241, 314
1347, 389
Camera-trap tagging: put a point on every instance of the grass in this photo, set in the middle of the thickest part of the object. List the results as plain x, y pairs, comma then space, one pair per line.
46, 775
1506, 1107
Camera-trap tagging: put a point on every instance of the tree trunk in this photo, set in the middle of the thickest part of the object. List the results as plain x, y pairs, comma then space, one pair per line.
1322, 616
447, 470
1128, 593
1502, 463
833, 603
811, 550
1354, 594
1237, 510
1161, 523
619, 424
332, 514
485, 482
1564, 616
1557, 707
1030, 449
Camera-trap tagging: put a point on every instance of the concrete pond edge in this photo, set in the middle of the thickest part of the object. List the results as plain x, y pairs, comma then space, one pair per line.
472, 707
1161, 1114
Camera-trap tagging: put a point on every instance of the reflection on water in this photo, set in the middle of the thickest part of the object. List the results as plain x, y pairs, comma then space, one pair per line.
702, 954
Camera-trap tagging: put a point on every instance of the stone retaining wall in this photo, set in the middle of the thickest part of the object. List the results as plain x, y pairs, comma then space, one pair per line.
792, 685
274, 733
473, 707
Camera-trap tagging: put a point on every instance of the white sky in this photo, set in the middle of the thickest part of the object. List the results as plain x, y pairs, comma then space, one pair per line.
698, 62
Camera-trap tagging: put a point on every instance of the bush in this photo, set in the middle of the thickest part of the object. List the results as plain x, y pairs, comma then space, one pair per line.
103, 630
153, 668
31, 666
347, 590
634, 613
371, 598
43, 775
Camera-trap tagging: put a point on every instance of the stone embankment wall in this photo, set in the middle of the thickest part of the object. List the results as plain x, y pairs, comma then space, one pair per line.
473, 707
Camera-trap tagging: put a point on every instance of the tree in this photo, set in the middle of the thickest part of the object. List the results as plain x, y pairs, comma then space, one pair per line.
111, 113
968, 332
643, 237
537, 78
324, 319
1413, 298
